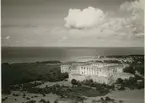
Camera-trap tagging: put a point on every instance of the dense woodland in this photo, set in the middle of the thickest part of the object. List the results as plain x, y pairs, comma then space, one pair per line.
136, 66
19, 73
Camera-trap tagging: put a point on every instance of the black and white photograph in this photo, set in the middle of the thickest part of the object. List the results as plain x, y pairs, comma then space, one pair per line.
72, 51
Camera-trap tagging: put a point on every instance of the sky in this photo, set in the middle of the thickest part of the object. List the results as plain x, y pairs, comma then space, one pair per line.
72, 23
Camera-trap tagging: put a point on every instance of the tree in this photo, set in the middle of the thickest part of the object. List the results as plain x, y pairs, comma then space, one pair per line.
108, 98
119, 81
129, 69
56, 101
74, 82
132, 81
79, 84
140, 85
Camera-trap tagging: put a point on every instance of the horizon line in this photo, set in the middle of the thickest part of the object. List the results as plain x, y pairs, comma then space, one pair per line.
79, 46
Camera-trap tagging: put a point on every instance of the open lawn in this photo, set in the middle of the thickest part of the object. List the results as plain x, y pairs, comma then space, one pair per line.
131, 96
37, 97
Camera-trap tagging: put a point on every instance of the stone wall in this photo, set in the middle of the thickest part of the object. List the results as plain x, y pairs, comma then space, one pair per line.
65, 68
122, 76
105, 80
77, 77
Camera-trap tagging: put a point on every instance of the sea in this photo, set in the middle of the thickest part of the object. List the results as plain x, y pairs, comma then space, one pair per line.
34, 54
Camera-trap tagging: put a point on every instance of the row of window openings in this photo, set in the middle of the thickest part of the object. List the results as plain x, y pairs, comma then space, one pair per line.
89, 73
114, 70
87, 68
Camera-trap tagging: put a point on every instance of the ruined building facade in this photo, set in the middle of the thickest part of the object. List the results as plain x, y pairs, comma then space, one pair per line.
98, 72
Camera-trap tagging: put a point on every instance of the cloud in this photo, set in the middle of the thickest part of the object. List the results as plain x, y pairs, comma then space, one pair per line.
95, 26
7, 38
92, 26
102, 25
133, 7
87, 18
95, 37
135, 20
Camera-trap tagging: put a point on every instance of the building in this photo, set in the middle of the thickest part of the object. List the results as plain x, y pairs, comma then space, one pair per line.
65, 68
98, 72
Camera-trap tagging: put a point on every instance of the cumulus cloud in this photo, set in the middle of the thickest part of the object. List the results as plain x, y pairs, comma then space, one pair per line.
135, 20
100, 23
87, 18
133, 7
92, 26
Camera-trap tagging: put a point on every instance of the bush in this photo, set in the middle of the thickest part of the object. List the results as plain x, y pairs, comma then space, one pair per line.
140, 84
129, 69
56, 101
44, 101
28, 98
131, 83
121, 88
108, 98
119, 81
3, 99
74, 82
6, 91
31, 101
